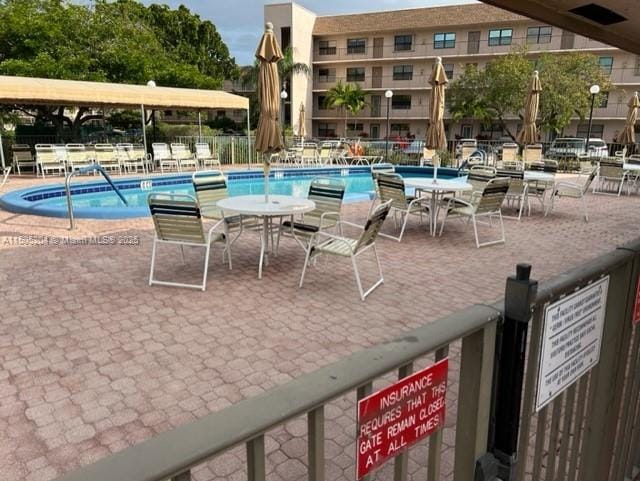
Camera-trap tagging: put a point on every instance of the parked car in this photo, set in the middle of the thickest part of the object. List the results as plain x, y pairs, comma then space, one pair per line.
574, 147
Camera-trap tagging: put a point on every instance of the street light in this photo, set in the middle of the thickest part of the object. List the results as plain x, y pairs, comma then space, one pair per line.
594, 90
283, 98
388, 94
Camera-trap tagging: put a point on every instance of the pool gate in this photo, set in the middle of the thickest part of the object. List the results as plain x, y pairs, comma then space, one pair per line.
547, 389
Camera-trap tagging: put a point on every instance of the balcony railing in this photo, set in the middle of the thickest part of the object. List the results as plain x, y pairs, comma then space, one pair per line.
424, 47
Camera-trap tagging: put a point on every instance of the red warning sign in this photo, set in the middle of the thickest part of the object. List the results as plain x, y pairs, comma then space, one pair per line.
391, 420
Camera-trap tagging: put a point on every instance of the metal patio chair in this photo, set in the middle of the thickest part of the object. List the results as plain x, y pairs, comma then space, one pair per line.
575, 190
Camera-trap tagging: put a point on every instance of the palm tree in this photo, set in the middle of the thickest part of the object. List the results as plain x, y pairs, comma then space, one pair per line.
347, 97
286, 69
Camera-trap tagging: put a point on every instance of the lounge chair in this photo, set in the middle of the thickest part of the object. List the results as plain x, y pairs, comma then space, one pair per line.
391, 188
611, 173
22, 157
183, 156
46, 159
327, 193
138, 154
488, 205
177, 220
517, 193
128, 160
77, 157
575, 190
162, 157
205, 157
532, 153
427, 157
107, 158
309, 154
348, 247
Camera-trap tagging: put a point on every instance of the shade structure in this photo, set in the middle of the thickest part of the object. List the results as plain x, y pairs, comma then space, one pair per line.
436, 138
39, 91
269, 133
628, 135
529, 133
302, 130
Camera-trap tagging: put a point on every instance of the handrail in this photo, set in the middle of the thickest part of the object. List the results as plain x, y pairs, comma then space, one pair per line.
84, 170
175, 451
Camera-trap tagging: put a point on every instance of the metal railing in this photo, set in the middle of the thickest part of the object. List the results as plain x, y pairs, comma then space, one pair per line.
593, 433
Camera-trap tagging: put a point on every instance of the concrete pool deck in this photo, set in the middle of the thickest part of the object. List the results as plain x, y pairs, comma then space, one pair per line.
93, 360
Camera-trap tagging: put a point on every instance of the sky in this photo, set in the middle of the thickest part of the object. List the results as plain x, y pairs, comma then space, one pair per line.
240, 22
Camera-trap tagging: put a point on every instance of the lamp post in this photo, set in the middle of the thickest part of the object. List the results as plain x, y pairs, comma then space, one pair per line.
388, 94
594, 90
283, 98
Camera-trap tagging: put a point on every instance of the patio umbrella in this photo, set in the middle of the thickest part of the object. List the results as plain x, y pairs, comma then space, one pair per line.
436, 138
268, 134
628, 135
529, 133
302, 131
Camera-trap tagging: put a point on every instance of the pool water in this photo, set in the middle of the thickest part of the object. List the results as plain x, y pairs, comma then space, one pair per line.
357, 188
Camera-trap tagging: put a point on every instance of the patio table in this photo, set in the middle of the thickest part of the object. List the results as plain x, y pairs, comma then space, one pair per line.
635, 168
436, 188
255, 205
535, 176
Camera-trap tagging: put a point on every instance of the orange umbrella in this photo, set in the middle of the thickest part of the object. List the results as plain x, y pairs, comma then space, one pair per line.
529, 133
436, 138
628, 135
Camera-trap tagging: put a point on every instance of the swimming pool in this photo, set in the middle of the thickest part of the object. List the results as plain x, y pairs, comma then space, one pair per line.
96, 199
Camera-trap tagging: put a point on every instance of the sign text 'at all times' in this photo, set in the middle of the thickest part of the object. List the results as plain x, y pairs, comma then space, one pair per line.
400, 415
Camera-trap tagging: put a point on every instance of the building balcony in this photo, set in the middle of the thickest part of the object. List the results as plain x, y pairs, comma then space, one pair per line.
417, 82
423, 48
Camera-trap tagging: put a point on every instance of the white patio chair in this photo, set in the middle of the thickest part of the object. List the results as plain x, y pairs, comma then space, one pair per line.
22, 157
611, 173
574, 190
46, 159
77, 157
489, 205
107, 158
205, 157
183, 156
331, 244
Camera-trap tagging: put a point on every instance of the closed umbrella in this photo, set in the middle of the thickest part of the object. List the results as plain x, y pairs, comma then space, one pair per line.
436, 138
268, 134
628, 135
302, 131
529, 133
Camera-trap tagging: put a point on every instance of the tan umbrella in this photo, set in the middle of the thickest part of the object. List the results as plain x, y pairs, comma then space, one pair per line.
436, 138
529, 133
302, 131
268, 134
628, 135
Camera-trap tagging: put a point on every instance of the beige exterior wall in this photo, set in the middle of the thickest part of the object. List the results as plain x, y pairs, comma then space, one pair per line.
379, 57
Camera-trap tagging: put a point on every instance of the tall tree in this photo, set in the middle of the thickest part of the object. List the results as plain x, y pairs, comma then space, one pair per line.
121, 41
286, 69
346, 97
497, 92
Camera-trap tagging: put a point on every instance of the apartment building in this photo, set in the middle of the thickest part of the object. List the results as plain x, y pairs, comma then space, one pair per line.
396, 50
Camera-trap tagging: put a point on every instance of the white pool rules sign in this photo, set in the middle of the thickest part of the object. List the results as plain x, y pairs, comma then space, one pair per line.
571, 339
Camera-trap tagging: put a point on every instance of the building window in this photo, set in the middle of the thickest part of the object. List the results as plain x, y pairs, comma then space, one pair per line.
401, 102
355, 74
448, 69
327, 47
444, 40
285, 37
606, 64
500, 36
326, 75
466, 131
597, 130
539, 34
326, 129
604, 100
354, 127
322, 102
401, 130
356, 45
492, 131
403, 42
402, 72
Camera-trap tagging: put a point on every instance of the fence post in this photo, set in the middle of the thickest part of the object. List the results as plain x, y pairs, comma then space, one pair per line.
233, 150
511, 345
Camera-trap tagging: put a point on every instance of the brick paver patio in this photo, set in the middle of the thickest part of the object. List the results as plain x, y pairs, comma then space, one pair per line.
93, 360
